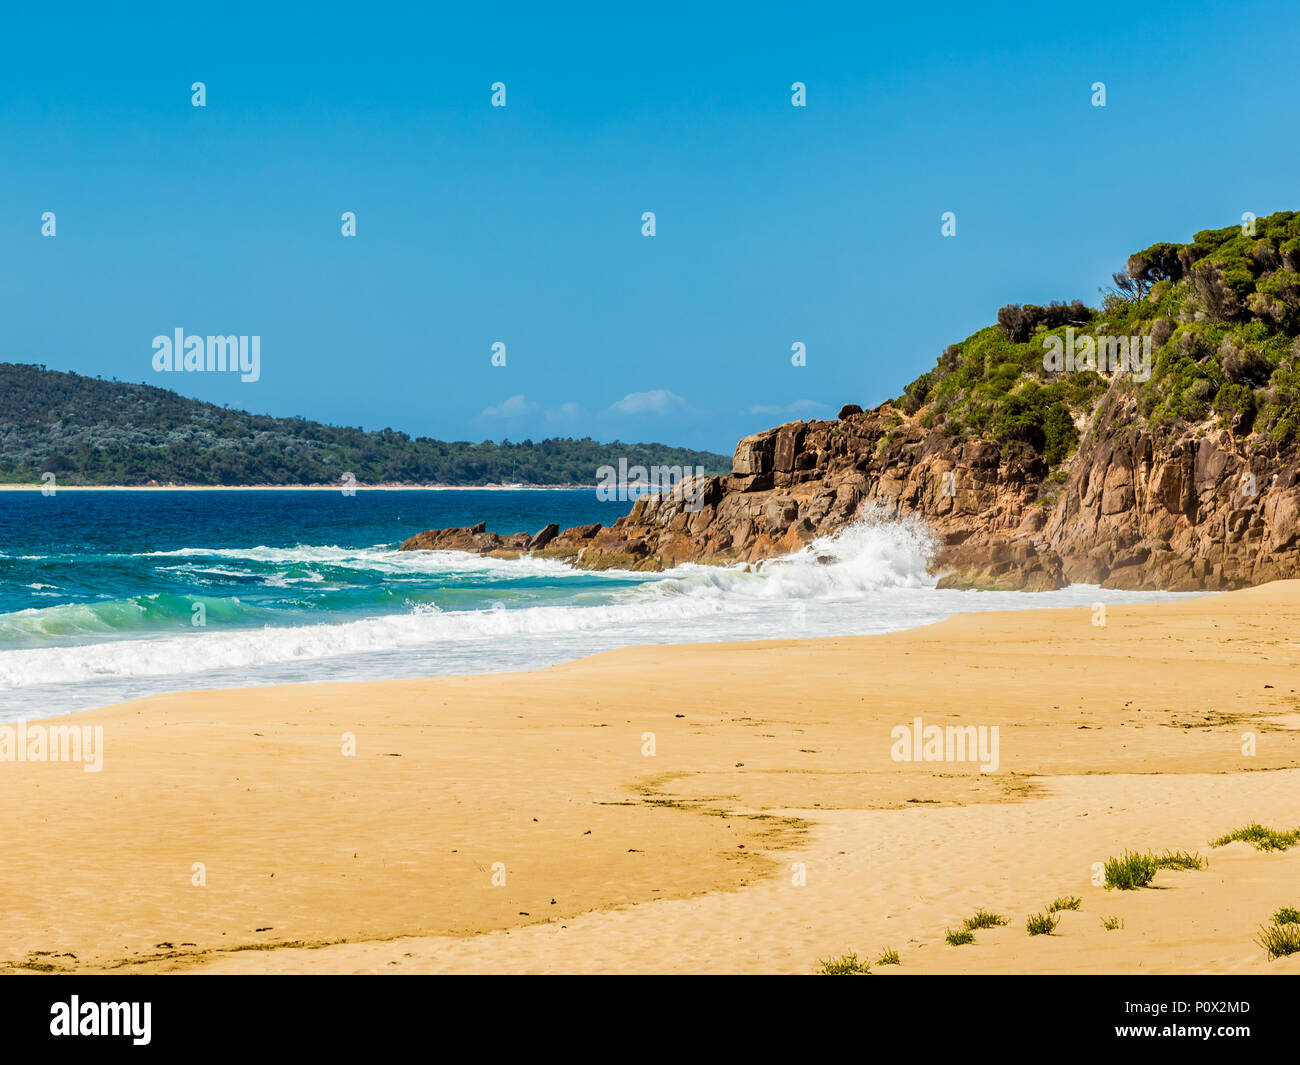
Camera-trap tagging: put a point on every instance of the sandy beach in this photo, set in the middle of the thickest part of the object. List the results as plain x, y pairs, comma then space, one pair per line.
697, 808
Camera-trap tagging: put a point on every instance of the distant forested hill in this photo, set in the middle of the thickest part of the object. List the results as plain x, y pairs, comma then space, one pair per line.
89, 431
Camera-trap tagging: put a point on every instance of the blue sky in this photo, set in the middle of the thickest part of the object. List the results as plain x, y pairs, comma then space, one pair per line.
522, 224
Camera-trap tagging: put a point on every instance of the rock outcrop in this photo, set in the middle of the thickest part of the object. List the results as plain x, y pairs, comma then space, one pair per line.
1200, 510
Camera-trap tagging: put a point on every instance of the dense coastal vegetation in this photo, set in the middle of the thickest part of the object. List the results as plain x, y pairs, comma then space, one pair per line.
1223, 316
89, 431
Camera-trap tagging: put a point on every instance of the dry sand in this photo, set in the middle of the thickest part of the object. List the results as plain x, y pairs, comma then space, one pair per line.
769, 758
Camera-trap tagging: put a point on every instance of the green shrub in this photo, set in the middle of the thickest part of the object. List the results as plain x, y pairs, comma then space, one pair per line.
1130, 871
1041, 924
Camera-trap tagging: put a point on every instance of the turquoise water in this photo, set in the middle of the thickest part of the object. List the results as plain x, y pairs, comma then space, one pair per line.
87, 565
107, 596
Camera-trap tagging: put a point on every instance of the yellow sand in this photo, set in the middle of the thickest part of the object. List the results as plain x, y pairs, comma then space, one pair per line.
769, 758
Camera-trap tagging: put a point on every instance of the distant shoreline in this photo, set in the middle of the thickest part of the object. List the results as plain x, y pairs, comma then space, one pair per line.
299, 487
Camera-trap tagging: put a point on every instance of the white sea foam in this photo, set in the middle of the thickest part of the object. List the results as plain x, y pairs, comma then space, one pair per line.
872, 577
379, 557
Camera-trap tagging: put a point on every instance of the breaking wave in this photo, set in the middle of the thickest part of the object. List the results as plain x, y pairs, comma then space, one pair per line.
155, 635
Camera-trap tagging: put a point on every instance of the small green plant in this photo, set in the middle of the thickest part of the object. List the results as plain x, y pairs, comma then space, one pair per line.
1279, 940
1066, 902
844, 965
1111, 923
1287, 915
1041, 924
1180, 860
1130, 871
959, 937
889, 957
1260, 837
984, 919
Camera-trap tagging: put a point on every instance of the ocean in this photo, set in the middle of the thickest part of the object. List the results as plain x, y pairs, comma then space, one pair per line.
114, 595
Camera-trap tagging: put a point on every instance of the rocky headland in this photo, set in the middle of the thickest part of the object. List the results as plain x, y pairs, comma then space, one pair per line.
1031, 477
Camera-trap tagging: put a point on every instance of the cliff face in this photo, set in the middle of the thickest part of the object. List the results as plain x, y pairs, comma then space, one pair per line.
1193, 512
1203, 509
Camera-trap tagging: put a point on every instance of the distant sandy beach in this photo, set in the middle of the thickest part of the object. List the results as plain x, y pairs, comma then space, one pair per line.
699, 808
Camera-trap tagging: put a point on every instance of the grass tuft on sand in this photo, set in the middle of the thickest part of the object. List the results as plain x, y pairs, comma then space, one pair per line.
1130, 871
1279, 940
984, 919
1180, 860
1041, 924
1260, 837
844, 965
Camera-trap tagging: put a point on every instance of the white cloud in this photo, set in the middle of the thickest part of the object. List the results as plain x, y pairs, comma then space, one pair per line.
790, 410
514, 407
564, 414
657, 401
